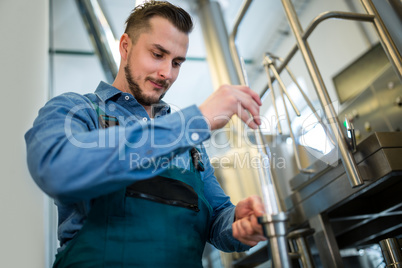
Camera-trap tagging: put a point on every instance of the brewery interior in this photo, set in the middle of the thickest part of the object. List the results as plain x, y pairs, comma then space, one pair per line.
329, 73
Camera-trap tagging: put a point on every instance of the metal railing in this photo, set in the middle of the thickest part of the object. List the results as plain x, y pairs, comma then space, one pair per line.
274, 223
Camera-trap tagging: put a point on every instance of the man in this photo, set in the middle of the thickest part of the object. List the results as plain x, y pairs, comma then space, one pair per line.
132, 183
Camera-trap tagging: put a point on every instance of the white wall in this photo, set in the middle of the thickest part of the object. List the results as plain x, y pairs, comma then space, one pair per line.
23, 82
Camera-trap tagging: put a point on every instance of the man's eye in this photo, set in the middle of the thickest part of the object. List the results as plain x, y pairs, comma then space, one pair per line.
177, 64
156, 55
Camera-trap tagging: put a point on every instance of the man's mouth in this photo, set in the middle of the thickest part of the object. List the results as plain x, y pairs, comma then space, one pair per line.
159, 84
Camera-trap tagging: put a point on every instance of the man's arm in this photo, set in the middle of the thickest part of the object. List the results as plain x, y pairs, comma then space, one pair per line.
71, 160
232, 224
232, 228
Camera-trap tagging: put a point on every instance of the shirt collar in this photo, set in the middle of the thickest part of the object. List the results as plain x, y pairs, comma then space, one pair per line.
105, 91
162, 108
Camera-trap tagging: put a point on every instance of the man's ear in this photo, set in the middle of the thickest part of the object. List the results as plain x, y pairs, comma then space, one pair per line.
124, 46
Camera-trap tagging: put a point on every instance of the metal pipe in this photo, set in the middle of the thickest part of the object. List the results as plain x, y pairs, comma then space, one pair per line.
391, 250
274, 227
232, 40
346, 156
282, 90
336, 15
362, 27
274, 221
273, 99
270, 196
317, 20
372, 16
217, 43
281, 84
219, 58
301, 248
385, 38
101, 36
268, 187
309, 104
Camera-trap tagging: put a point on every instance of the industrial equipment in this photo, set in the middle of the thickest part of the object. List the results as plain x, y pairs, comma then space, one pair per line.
351, 202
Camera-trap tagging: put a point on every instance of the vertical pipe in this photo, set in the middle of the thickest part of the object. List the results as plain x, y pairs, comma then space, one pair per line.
305, 255
215, 36
346, 156
268, 187
274, 227
298, 239
391, 250
219, 59
232, 42
385, 38
274, 221
101, 36
217, 43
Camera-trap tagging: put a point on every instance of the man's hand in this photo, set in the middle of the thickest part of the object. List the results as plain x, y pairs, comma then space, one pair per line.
246, 228
229, 100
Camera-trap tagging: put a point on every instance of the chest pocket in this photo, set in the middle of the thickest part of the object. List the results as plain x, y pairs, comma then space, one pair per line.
104, 120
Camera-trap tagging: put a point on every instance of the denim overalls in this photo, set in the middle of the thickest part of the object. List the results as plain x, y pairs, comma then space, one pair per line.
157, 222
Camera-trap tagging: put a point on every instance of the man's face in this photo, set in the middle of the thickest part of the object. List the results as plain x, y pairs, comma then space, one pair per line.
154, 61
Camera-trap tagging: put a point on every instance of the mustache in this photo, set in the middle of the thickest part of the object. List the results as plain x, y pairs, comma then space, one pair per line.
163, 83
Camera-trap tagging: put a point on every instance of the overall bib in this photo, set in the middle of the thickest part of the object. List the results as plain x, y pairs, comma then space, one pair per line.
157, 222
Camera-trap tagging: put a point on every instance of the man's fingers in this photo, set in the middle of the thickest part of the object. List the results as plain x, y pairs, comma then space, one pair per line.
229, 100
245, 117
254, 111
248, 230
249, 103
242, 228
250, 117
253, 94
256, 204
257, 227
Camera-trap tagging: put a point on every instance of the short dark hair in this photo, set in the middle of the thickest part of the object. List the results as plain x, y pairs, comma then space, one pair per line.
138, 21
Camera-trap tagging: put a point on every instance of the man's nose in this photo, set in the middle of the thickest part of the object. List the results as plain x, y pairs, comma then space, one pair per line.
166, 70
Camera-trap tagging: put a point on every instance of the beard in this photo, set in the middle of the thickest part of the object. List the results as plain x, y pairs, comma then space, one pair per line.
138, 93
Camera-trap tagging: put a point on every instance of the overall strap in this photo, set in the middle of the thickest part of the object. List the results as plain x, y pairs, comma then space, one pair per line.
105, 121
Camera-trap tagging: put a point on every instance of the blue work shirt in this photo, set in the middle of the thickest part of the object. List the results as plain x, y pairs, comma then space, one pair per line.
73, 160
